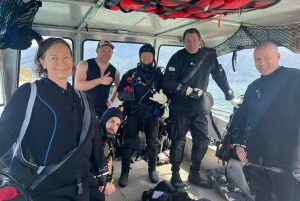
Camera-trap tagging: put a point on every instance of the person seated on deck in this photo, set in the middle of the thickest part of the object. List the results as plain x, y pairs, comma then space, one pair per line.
108, 125
62, 140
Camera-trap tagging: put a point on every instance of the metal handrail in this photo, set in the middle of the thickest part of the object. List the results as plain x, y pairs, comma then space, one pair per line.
219, 110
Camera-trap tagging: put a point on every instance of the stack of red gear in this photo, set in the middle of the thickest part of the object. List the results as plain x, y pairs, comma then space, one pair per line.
203, 10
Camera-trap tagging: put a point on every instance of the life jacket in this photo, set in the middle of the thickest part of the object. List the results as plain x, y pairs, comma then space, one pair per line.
203, 10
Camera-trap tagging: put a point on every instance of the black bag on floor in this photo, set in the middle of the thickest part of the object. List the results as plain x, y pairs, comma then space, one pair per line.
227, 188
162, 186
164, 191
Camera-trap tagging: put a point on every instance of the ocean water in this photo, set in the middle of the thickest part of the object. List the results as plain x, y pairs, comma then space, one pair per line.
219, 98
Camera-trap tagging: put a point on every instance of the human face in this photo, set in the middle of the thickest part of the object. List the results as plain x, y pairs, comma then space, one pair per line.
146, 57
58, 62
104, 53
112, 125
266, 59
191, 42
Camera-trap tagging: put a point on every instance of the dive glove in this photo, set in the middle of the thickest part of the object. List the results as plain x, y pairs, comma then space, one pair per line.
160, 97
194, 93
235, 102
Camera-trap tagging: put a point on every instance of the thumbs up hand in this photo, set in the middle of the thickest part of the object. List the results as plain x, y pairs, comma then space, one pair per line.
106, 80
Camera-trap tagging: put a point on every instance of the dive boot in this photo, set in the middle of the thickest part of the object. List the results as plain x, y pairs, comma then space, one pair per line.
195, 178
123, 181
152, 169
176, 180
153, 176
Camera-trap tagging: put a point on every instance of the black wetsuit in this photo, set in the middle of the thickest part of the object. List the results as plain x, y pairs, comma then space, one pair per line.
142, 113
182, 116
274, 140
55, 128
100, 93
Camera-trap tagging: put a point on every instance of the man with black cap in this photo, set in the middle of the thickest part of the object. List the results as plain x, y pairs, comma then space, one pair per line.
95, 76
140, 89
108, 125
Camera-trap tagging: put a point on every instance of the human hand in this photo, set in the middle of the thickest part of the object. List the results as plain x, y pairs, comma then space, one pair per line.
160, 97
235, 102
240, 151
106, 80
194, 93
110, 189
101, 188
108, 103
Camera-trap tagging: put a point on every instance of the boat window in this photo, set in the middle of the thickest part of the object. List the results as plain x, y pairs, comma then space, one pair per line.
165, 53
1, 95
27, 59
125, 55
244, 75
288, 58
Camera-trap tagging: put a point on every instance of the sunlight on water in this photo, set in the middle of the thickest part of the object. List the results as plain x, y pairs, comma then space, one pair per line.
219, 98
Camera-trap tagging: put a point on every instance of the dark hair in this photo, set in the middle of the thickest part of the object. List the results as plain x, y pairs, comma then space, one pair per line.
40, 54
191, 30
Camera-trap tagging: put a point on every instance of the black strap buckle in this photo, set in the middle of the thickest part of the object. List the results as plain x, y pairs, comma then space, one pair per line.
79, 189
78, 174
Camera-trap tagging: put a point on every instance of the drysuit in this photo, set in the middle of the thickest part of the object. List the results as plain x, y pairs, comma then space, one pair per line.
135, 89
272, 144
182, 115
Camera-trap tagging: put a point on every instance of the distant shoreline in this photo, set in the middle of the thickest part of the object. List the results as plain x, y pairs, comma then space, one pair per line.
25, 80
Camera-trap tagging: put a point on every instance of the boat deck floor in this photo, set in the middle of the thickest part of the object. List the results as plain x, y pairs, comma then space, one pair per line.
139, 181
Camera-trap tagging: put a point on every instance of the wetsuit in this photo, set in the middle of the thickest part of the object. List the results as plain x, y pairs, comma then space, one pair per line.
273, 142
142, 113
182, 116
100, 93
60, 122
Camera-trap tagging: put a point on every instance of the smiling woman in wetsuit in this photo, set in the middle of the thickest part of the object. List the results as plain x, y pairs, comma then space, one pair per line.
62, 137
